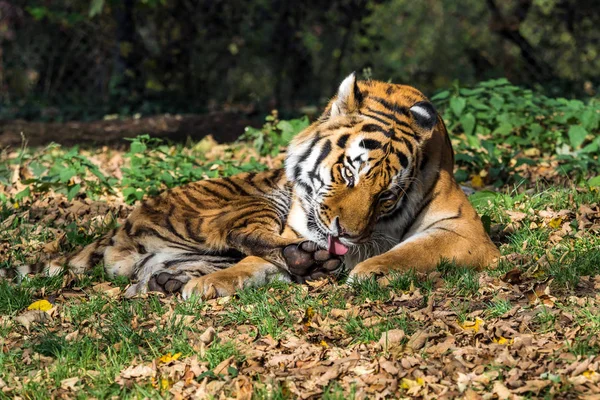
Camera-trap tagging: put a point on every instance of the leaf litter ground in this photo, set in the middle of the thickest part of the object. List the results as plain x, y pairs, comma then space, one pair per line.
527, 328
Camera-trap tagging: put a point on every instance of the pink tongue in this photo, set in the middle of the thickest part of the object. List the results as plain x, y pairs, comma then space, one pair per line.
335, 246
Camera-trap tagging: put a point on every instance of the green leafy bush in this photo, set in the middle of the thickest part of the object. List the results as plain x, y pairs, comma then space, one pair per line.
64, 172
274, 134
497, 122
155, 166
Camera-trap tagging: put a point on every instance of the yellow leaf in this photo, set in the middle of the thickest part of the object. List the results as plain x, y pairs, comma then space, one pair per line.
532, 152
167, 358
406, 383
502, 340
555, 222
476, 181
42, 305
589, 374
472, 325
164, 384
324, 344
309, 314
16, 205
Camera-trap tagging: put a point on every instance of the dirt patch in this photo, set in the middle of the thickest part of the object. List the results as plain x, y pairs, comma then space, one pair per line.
223, 126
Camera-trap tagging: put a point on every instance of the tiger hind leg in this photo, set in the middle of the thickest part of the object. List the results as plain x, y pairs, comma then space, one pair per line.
119, 253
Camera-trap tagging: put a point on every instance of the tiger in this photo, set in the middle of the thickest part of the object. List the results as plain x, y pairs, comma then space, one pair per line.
367, 189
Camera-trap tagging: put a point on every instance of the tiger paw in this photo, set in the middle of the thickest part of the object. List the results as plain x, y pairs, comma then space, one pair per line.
368, 269
307, 260
211, 286
167, 282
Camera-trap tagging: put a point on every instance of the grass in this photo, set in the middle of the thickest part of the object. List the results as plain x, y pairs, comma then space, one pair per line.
498, 307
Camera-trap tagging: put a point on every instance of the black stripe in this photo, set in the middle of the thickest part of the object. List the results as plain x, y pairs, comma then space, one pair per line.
358, 96
240, 189
389, 116
325, 150
380, 120
169, 224
458, 215
128, 226
370, 144
410, 133
153, 232
223, 184
425, 204
373, 128
450, 231
423, 163
403, 159
141, 264
306, 187
394, 107
341, 142
213, 193
191, 234
408, 144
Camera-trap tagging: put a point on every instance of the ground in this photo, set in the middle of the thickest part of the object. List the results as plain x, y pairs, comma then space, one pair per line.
527, 328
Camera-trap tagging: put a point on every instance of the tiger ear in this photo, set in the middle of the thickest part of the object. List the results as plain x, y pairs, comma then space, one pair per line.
425, 116
348, 98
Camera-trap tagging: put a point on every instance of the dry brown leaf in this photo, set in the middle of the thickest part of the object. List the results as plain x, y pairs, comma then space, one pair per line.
391, 338
69, 383
533, 386
417, 340
501, 391
223, 365
32, 317
208, 336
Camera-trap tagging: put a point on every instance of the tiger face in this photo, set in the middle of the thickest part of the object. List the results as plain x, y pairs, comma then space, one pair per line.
354, 166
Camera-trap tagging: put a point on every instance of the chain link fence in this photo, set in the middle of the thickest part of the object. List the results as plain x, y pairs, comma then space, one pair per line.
51, 69
57, 62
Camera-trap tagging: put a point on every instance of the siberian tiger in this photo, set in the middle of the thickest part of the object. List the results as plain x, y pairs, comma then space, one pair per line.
368, 187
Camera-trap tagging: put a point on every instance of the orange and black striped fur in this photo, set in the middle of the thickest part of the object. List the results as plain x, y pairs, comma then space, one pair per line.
370, 183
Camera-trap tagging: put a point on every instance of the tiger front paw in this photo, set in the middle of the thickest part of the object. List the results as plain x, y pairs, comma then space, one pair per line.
367, 269
212, 286
307, 261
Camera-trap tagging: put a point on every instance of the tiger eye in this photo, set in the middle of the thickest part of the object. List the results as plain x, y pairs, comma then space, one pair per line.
348, 172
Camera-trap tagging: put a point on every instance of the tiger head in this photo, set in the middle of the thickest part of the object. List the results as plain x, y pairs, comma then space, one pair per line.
356, 163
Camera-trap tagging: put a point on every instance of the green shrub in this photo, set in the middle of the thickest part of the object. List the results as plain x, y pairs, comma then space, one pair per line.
496, 122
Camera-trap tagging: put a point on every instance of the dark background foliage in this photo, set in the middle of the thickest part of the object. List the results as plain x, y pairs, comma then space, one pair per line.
83, 59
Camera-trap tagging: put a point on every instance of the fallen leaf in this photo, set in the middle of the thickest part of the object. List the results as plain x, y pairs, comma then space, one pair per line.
31, 317
472, 325
417, 340
42, 305
501, 391
208, 336
309, 314
502, 340
407, 384
167, 358
391, 338
69, 383
223, 365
